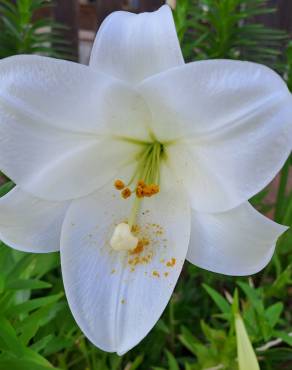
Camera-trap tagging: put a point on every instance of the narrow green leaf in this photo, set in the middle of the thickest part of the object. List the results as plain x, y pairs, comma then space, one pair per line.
172, 363
221, 302
30, 284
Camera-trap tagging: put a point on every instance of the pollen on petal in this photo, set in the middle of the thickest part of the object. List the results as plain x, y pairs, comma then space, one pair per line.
171, 263
140, 247
156, 274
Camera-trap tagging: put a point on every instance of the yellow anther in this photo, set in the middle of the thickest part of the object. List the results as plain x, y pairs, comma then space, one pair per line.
144, 190
141, 183
140, 192
154, 188
126, 193
119, 185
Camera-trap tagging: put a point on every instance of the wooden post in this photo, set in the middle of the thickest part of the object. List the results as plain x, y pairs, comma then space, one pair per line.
150, 5
285, 15
282, 18
104, 8
66, 12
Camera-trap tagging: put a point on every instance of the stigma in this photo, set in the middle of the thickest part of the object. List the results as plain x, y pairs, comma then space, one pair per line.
123, 239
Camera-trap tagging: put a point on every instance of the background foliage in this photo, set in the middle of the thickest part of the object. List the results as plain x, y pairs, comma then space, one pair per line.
196, 332
20, 33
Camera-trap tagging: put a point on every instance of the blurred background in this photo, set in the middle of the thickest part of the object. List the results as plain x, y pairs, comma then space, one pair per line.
196, 331
82, 18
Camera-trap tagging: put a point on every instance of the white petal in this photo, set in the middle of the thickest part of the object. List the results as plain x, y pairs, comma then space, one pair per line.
60, 94
237, 242
52, 114
236, 121
115, 300
55, 165
30, 224
133, 47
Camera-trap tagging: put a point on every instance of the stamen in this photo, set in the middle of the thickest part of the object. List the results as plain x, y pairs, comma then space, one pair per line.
147, 177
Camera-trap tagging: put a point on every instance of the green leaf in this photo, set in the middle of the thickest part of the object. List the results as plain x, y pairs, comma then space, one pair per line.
172, 363
4, 189
284, 336
8, 335
136, 363
30, 284
221, 302
189, 340
34, 304
22, 364
273, 313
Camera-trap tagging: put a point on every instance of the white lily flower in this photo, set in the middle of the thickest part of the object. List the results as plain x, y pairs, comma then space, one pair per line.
186, 144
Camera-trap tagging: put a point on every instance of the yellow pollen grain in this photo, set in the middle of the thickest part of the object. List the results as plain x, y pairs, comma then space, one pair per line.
166, 274
138, 256
156, 274
135, 229
140, 247
123, 301
171, 263
113, 271
119, 185
126, 193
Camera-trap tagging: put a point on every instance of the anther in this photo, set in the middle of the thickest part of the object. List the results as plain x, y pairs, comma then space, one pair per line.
144, 190
119, 185
126, 193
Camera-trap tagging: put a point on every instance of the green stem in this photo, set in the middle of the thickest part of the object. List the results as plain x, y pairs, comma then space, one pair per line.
282, 191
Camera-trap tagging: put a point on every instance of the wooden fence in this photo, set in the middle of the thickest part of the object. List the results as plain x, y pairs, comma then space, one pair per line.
90, 16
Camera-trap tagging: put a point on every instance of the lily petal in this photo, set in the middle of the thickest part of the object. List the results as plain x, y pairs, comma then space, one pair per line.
51, 116
133, 47
58, 166
117, 297
235, 122
61, 94
30, 224
238, 242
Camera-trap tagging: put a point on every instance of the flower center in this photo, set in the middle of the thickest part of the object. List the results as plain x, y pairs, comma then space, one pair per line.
144, 183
